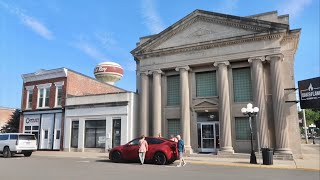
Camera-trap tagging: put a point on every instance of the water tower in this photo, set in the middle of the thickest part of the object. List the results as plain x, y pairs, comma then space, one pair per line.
108, 72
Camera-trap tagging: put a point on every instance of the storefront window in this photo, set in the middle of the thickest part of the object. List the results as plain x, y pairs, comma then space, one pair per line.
173, 127
242, 87
173, 90
95, 134
206, 84
74, 134
243, 128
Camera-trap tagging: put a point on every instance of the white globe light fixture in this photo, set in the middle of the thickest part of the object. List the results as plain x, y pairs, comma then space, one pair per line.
251, 111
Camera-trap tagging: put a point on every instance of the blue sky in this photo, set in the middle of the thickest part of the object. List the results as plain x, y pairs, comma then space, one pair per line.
48, 34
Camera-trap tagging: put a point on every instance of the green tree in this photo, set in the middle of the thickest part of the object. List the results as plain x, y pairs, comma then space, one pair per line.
313, 117
12, 126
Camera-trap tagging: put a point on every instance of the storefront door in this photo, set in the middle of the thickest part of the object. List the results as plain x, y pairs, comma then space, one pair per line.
208, 136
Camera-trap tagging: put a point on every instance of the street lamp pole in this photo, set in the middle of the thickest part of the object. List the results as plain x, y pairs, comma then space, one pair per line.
250, 111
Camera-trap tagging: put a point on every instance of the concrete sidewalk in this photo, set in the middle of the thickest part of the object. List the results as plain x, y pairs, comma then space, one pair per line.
310, 161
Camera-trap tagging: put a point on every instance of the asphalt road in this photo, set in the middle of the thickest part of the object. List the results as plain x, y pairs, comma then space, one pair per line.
51, 168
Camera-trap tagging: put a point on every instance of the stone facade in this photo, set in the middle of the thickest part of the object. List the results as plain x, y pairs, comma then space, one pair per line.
212, 42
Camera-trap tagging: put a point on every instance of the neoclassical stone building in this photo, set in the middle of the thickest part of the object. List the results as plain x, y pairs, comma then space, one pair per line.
194, 77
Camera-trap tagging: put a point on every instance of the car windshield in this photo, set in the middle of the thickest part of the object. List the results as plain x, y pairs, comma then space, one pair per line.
134, 142
26, 137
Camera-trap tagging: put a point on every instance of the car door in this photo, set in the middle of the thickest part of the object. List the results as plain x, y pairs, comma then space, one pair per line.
153, 147
131, 150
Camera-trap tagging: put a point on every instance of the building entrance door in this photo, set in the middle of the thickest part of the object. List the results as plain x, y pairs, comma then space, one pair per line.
208, 136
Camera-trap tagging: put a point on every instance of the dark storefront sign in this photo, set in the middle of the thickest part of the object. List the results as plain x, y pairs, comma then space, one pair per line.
309, 92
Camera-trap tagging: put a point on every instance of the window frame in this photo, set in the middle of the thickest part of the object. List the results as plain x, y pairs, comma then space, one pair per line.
43, 88
214, 85
168, 103
29, 89
59, 86
233, 85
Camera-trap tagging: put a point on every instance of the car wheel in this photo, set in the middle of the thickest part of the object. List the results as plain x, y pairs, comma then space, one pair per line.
160, 158
27, 154
6, 152
116, 156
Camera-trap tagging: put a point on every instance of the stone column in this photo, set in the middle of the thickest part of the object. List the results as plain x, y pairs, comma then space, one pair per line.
259, 99
224, 108
185, 106
156, 99
144, 103
281, 127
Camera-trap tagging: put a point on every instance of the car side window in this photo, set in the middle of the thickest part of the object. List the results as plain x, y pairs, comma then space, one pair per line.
14, 136
4, 137
134, 142
154, 141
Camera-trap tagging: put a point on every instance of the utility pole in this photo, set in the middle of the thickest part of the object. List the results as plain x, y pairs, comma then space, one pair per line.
305, 125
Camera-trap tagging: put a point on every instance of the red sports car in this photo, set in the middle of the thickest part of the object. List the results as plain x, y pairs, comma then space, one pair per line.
161, 151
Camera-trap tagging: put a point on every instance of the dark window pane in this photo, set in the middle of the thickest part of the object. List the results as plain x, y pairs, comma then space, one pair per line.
26, 137
134, 142
74, 134
13, 136
46, 134
58, 134
27, 128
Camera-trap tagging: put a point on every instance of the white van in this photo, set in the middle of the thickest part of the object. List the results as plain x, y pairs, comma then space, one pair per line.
17, 143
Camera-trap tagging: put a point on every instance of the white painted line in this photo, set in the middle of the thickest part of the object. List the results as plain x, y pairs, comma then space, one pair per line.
83, 161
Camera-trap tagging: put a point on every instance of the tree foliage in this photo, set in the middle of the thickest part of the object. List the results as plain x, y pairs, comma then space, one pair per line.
313, 117
12, 126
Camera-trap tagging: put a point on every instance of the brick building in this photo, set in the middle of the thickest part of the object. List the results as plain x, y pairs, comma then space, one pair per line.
43, 102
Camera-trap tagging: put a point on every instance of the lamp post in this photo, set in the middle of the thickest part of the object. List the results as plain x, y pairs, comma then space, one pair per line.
312, 126
251, 111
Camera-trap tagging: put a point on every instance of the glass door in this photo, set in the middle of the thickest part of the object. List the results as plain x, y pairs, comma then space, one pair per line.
208, 136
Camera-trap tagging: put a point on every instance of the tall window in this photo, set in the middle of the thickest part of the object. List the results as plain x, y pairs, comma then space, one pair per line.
58, 101
95, 134
74, 134
243, 128
206, 84
29, 99
59, 96
242, 86
173, 90
43, 95
173, 127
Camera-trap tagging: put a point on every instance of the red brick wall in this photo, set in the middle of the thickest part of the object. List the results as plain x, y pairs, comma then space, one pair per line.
52, 92
79, 85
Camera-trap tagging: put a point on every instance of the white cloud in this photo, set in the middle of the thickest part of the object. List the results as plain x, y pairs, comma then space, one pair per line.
32, 23
151, 18
293, 7
90, 50
106, 39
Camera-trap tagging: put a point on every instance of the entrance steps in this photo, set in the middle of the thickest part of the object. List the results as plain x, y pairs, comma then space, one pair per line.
241, 156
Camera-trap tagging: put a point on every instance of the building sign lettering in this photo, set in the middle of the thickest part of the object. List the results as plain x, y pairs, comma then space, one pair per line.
309, 91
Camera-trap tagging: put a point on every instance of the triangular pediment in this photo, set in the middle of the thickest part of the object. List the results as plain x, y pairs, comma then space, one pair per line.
201, 31
203, 26
205, 103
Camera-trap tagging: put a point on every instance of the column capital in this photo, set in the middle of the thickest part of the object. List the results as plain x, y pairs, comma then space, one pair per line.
156, 71
274, 57
226, 63
187, 68
143, 73
261, 58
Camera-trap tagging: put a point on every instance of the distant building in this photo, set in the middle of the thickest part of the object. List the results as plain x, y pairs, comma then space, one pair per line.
44, 99
5, 115
194, 77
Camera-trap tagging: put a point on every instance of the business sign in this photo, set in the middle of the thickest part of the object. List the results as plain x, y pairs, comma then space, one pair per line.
32, 120
309, 92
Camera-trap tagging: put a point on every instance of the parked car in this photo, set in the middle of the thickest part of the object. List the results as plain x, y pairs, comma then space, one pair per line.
17, 143
161, 151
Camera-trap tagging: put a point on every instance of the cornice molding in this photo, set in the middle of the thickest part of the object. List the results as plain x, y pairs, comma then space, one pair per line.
144, 73
206, 45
